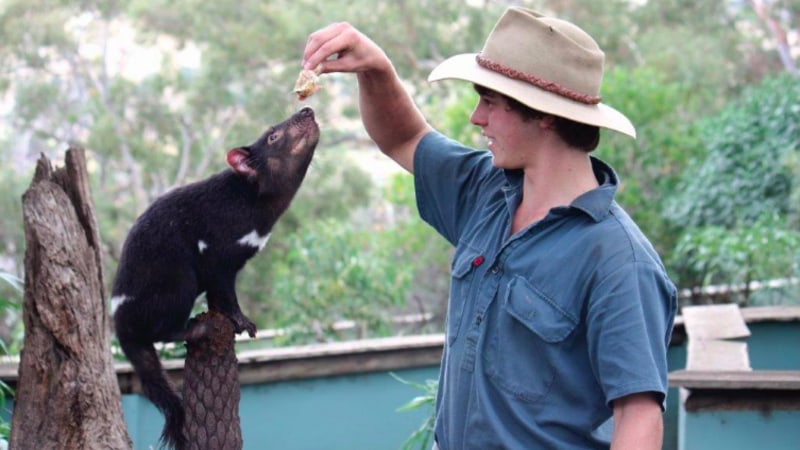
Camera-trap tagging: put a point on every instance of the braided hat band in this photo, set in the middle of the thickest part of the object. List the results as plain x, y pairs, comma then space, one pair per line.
549, 86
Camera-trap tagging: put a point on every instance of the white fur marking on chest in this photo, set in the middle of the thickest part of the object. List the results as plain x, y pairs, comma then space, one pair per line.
117, 300
253, 239
201, 245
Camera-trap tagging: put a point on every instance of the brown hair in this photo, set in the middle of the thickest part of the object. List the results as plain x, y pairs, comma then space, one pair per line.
575, 134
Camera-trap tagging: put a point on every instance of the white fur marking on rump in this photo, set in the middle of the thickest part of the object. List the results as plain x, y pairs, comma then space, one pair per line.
201, 245
117, 300
253, 239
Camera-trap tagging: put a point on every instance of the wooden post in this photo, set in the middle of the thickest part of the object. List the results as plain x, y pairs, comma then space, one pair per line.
67, 395
211, 385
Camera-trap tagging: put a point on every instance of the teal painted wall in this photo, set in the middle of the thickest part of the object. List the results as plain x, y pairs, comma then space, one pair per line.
741, 430
359, 411
676, 359
356, 412
772, 346
340, 413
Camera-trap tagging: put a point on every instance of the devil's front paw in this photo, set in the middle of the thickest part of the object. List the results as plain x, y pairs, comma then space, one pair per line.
242, 323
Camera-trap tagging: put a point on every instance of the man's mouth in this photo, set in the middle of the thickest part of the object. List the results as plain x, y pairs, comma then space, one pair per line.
489, 140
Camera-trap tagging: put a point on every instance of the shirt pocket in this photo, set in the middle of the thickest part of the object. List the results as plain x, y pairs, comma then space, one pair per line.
523, 350
538, 312
461, 284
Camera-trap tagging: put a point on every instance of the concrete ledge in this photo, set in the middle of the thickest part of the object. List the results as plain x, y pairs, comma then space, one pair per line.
740, 379
318, 360
742, 400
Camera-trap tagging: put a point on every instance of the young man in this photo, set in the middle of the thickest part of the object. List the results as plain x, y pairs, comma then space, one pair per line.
560, 311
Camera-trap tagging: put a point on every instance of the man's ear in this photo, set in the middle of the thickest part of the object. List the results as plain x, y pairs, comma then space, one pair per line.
239, 160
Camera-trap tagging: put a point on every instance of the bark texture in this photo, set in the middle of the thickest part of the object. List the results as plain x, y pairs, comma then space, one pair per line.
67, 396
211, 385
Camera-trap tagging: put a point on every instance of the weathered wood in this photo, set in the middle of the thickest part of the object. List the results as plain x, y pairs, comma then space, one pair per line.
707, 328
759, 390
737, 379
318, 360
756, 314
765, 402
714, 322
324, 360
67, 394
717, 355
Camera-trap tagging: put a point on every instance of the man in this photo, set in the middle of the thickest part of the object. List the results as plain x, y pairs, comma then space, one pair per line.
560, 311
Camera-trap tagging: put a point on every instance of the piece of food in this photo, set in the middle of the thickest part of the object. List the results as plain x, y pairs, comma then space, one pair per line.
307, 83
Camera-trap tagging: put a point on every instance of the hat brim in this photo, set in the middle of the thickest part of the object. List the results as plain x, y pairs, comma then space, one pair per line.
465, 67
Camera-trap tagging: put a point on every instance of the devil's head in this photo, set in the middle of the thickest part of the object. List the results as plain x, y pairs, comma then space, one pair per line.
277, 162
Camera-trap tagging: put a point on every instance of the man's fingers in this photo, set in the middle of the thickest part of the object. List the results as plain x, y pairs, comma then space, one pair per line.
324, 43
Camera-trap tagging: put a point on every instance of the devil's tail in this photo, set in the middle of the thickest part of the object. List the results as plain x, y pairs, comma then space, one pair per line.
158, 390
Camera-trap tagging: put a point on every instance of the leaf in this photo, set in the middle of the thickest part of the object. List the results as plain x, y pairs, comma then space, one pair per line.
13, 280
416, 403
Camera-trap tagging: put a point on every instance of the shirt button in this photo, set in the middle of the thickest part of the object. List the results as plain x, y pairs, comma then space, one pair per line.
495, 270
478, 320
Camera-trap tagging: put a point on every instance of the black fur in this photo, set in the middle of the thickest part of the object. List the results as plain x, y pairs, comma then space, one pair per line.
188, 242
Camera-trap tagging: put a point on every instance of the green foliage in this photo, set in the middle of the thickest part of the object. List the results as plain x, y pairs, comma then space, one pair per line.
158, 91
12, 280
422, 437
333, 272
363, 268
650, 166
334, 187
153, 123
451, 114
11, 230
762, 250
747, 171
11, 290
421, 247
737, 204
6, 305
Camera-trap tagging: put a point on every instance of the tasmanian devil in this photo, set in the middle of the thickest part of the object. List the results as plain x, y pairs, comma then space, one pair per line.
194, 240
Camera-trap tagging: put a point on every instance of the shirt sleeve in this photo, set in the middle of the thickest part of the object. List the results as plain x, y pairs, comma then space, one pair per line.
448, 181
629, 328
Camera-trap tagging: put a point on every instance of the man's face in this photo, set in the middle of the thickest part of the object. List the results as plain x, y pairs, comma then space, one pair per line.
510, 138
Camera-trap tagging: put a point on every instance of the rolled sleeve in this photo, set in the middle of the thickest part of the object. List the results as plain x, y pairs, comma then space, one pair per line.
629, 328
442, 167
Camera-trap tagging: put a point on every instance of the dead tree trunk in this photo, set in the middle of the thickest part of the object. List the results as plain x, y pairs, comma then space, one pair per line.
211, 385
67, 395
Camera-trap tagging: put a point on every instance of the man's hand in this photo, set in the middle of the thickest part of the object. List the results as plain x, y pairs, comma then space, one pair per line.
354, 51
389, 114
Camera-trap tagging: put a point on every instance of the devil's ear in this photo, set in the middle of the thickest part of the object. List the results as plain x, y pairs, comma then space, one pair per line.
239, 160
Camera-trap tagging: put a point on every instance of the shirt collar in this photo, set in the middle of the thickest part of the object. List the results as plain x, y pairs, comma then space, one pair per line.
595, 203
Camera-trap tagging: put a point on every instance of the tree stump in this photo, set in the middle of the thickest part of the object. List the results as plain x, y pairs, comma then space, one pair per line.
67, 395
211, 385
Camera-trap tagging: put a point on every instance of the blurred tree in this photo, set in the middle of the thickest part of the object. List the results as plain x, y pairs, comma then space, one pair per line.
747, 171
650, 166
158, 90
746, 185
776, 19
764, 250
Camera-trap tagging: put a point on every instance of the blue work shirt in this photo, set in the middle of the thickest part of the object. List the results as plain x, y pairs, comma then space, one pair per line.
547, 327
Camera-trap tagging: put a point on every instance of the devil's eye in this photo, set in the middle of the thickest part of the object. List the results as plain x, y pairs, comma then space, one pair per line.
272, 137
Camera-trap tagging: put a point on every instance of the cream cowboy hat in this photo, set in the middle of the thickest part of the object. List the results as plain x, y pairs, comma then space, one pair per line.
545, 63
